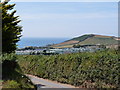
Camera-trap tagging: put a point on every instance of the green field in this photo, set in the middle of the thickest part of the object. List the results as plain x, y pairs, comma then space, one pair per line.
99, 40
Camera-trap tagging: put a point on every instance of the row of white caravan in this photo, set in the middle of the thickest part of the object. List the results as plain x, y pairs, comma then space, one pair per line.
55, 51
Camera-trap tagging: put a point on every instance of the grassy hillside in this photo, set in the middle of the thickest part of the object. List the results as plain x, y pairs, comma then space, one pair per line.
99, 40
66, 43
88, 39
89, 70
83, 37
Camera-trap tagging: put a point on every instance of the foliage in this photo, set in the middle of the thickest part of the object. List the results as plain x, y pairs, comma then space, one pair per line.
11, 84
12, 75
92, 70
11, 31
6, 56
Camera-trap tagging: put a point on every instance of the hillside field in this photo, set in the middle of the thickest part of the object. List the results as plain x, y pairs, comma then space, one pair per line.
88, 39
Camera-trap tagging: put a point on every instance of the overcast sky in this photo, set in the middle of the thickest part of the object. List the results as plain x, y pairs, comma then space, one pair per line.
57, 19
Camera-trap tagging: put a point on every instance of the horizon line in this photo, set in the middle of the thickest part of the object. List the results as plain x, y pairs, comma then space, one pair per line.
62, 0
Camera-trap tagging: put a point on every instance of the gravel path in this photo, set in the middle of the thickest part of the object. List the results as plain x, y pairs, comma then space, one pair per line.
44, 83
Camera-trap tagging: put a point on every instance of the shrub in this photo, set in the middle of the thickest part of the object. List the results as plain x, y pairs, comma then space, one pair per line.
12, 75
96, 69
11, 84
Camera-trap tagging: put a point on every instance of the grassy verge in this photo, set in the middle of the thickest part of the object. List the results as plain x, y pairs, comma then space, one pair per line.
89, 70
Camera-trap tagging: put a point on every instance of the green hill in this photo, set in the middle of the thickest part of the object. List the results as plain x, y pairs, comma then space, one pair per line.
88, 39
83, 37
99, 40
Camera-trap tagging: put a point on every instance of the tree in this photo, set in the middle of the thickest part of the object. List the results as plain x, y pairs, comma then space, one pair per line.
11, 31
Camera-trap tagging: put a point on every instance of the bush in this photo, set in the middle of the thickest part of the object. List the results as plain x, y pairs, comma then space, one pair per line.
12, 75
6, 56
11, 84
96, 69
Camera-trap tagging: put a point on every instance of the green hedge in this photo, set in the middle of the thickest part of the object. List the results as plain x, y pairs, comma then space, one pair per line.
92, 70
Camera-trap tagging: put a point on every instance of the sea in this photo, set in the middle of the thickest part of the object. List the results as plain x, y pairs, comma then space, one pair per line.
25, 41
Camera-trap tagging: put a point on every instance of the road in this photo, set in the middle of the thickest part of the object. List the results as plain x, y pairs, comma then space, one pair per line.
44, 83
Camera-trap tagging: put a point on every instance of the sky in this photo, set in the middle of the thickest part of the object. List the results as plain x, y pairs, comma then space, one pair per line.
67, 19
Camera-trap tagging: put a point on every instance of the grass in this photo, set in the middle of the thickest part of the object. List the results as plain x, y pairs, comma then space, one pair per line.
98, 40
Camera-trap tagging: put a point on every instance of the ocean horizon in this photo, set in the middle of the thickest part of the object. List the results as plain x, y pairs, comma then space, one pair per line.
31, 41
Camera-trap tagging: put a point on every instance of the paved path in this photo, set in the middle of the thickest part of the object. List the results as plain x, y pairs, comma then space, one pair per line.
44, 83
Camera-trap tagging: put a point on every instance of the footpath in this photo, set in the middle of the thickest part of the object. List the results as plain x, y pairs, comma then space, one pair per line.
44, 83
